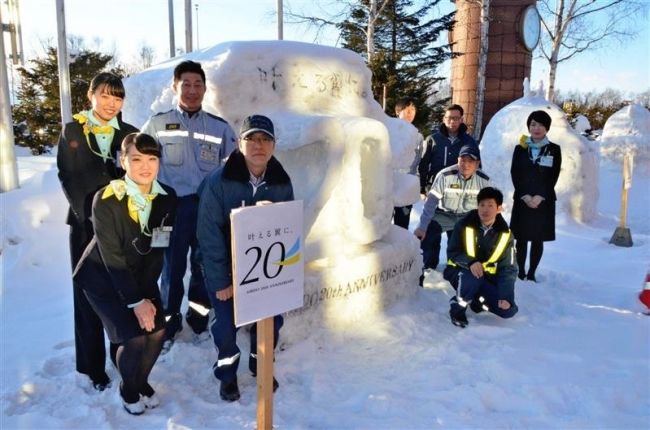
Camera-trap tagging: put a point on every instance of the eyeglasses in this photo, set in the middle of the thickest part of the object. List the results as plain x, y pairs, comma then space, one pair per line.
260, 140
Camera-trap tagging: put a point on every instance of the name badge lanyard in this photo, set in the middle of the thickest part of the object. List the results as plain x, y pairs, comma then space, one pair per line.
159, 238
542, 153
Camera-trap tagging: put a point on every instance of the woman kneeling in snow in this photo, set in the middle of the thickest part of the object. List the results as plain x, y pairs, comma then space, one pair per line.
119, 270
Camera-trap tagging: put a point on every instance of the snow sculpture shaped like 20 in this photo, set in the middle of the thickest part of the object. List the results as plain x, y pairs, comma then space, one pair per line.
343, 153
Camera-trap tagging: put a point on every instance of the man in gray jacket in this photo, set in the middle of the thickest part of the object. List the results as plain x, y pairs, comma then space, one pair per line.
194, 143
451, 197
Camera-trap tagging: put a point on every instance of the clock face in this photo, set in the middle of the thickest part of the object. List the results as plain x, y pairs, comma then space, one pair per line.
530, 27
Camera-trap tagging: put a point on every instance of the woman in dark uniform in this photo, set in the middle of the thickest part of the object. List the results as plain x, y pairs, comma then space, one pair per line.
119, 270
535, 169
86, 160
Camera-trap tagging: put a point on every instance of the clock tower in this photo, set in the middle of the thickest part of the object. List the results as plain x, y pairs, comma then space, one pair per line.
513, 33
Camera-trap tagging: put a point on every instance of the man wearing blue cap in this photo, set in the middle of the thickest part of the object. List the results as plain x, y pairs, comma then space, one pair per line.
250, 175
452, 195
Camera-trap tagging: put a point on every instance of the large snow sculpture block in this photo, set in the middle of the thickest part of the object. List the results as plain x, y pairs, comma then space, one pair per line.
577, 187
341, 150
627, 131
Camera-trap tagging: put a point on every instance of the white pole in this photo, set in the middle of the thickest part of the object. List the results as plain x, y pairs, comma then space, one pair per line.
172, 42
196, 5
482, 65
8, 168
188, 25
280, 20
14, 19
64, 72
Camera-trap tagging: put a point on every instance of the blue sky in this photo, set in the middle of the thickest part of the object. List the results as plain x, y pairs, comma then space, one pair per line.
126, 24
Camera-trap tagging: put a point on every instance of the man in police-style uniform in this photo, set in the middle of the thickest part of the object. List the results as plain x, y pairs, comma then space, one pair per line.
451, 197
194, 143
482, 266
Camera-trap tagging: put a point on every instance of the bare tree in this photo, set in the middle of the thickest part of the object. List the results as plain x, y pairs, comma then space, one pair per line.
482, 64
571, 27
337, 16
146, 55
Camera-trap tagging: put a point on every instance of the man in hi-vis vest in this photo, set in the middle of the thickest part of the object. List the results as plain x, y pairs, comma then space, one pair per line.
482, 267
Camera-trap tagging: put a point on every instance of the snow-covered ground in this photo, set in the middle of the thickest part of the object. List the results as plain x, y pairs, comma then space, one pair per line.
576, 356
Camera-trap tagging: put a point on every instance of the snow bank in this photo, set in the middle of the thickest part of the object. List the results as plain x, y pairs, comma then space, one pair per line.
627, 130
577, 187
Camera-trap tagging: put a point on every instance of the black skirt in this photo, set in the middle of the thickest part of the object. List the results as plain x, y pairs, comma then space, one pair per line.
533, 224
119, 321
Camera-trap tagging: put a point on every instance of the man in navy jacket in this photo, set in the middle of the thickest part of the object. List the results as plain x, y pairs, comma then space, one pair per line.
250, 175
482, 267
443, 146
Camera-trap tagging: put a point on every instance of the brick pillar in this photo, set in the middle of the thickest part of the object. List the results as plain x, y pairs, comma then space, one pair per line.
508, 61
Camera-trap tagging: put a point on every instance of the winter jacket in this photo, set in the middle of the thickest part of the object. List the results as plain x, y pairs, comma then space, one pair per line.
451, 197
222, 191
441, 152
192, 146
119, 263
535, 177
81, 171
505, 268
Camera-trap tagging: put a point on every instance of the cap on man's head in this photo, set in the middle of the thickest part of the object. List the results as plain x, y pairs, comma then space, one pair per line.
470, 151
254, 123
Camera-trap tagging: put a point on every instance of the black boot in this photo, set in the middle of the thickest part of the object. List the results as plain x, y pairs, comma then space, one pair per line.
198, 322
229, 391
457, 315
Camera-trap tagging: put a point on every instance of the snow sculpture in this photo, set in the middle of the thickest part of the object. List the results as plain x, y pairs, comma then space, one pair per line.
577, 187
343, 153
581, 124
627, 130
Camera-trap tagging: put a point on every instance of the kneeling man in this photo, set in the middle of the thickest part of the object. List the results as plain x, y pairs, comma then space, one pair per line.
482, 266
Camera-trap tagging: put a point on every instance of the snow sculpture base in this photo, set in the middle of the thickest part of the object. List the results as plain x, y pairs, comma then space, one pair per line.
354, 291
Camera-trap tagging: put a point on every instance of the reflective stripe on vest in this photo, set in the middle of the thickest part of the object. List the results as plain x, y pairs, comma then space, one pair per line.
470, 247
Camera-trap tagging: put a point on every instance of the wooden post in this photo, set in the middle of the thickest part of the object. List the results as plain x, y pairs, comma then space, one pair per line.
622, 235
265, 374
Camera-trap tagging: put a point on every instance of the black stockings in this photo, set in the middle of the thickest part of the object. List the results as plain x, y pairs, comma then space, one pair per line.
135, 359
536, 251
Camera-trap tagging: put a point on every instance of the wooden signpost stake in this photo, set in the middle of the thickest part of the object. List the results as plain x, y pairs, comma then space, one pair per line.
265, 374
622, 235
268, 280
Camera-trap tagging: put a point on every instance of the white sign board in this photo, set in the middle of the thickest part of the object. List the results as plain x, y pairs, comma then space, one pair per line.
267, 260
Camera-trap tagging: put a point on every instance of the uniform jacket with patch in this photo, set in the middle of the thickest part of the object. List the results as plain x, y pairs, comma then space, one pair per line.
119, 261
440, 152
81, 171
451, 197
192, 146
223, 190
506, 265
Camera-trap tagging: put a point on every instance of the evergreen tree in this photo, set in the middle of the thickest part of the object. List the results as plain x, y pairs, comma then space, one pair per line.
406, 56
37, 114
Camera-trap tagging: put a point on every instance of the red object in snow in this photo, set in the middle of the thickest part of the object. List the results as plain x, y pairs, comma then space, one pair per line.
644, 296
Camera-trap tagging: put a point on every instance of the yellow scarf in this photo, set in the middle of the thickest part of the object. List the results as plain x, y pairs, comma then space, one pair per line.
88, 127
139, 205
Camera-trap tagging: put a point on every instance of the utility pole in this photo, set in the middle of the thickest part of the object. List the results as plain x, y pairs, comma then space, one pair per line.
196, 5
172, 43
64, 70
188, 26
280, 20
8, 168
